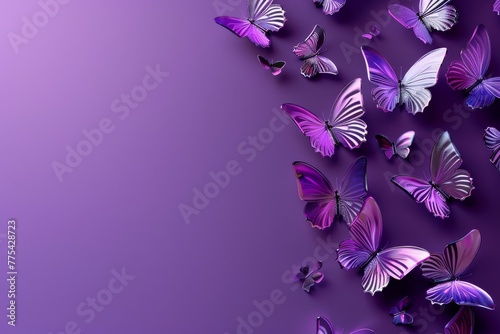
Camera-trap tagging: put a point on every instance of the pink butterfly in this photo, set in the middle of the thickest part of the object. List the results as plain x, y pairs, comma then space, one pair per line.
400, 147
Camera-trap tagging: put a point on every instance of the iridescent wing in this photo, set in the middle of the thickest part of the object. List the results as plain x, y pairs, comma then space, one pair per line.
410, 20
403, 143
385, 145
461, 323
353, 190
491, 139
274, 67
323, 326
330, 6
243, 28
496, 7
309, 52
266, 15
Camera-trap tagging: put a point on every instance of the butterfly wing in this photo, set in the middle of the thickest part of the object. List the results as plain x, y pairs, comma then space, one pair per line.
445, 172
403, 143
312, 43
243, 28
264, 62
323, 326
318, 64
491, 139
410, 20
266, 15
385, 145
402, 318
381, 74
277, 67
437, 14
422, 75
314, 188
462, 293
401, 306
313, 127
363, 331
496, 7
330, 6
311, 275
346, 122
461, 323
352, 191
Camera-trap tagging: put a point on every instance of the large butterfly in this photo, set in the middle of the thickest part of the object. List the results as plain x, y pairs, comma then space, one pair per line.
496, 7
344, 126
461, 323
263, 16
446, 180
400, 147
330, 6
310, 275
399, 314
411, 90
310, 50
446, 270
323, 202
363, 251
432, 14
323, 326
469, 74
492, 141
274, 67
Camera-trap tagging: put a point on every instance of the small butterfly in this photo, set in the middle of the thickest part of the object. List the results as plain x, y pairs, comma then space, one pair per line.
432, 14
469, 74
374, 31
263, 16
310, 276
411, 90
400, 147
330, 6
461, 323
446, 271
310, 50
446, 180
400, 316
492, 141
363, 251
275, 67
323, 202
496, 7
323, 326
344, 126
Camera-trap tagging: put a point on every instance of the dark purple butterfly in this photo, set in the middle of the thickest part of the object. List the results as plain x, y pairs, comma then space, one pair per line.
330, 6
469, 74
446, 271
310, 50
461, 323
446, 180
400, 316
323, 326
492, 141
310, 275
400, 147
432, 14
275, 67
363, 251
374, 31
344, 126
496, 7
323, 202
263, 16
411, 90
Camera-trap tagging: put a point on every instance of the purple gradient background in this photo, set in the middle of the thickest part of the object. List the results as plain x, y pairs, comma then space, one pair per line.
119, 208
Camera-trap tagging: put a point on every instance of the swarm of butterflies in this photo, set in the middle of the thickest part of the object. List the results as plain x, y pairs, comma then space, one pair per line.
349, 201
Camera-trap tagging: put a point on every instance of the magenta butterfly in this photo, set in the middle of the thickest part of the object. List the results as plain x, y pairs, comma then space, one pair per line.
310, 51
374, 31
330, 6
446, 180
461, 323
492, 141
344, 126
310, 275
469, 74
364, 252
263, 16
323, 202
400, 147
323, 326
400, 316
447, 269
432, 14
411, 90
496, 7
274, 67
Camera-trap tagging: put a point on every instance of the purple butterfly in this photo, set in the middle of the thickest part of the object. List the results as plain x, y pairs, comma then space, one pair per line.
323, 326
446, 180
344, 126
400, 147
323, 202
330, 6
446, 270
469, 74
411, 90
310, 276
374, 31
401, 317
492, 141
461, 323
363, 251
275, 67
263, 16
310, 50
432, 14
496, 7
